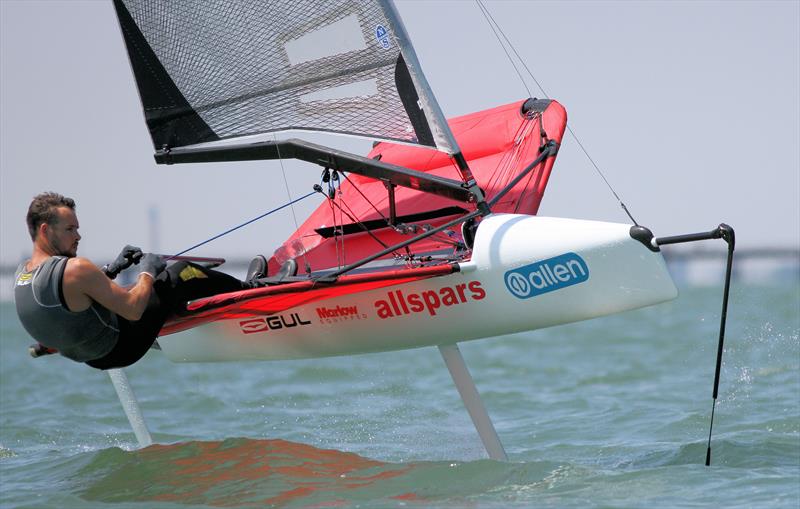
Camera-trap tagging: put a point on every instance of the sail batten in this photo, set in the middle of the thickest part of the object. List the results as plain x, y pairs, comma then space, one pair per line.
211, 70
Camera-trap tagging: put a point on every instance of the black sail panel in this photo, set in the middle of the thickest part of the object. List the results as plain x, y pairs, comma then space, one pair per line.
170, 118
410, 99
211, 70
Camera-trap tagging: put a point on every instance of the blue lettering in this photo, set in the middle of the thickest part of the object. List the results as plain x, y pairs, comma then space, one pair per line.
546, 276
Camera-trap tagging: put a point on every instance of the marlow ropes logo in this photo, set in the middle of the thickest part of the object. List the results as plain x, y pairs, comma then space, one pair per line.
339, 314
547, 276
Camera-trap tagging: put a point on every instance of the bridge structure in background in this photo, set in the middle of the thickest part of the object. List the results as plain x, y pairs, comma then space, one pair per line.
742, 253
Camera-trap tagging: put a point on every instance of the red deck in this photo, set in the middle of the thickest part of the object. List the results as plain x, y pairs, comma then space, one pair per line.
274, 299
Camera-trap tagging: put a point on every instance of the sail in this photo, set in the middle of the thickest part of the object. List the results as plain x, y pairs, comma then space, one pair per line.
210, 70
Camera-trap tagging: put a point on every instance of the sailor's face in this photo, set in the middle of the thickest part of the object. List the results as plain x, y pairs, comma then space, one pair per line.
63, 235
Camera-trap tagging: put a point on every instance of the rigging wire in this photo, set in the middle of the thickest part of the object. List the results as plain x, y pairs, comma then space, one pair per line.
376, 209
504, 171
409, 253
306, 265
337, 194
492, 24
534, 174
487, 15
265, 214
286, 181
336, 235
330, 179
353, 217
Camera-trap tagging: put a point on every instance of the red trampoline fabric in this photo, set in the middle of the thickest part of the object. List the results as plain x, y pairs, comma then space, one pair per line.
497, 143
274, 299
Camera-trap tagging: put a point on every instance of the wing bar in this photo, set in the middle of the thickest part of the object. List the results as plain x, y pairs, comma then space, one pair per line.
322, 156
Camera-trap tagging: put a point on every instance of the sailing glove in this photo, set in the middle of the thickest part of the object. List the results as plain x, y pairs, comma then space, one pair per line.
128, 256
152, 264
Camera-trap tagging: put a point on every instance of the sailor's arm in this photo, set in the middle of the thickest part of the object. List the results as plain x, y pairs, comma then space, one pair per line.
84, 282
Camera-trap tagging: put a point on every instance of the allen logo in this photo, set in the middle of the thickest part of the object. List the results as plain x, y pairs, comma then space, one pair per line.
547, 276
273, 322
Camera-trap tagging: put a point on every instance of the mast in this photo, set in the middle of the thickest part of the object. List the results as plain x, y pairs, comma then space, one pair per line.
443, 136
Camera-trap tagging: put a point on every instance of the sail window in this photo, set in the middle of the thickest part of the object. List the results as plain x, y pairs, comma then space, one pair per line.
358, 89
213, 70
342, 36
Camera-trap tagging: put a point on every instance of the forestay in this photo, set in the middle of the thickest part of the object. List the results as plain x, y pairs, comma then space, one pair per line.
211, 70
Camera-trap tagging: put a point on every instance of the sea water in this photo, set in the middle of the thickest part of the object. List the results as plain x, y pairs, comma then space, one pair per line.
612, 412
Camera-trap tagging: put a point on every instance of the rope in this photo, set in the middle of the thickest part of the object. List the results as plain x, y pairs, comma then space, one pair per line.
335, 234
351, 215
289, 195
492, 24
285, 181
354, 186
487, 15
265, 214
337, 194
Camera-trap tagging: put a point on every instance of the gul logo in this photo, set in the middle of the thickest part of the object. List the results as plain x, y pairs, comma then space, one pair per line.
547, 276
398, 304
24, 279
274, 322
339, 314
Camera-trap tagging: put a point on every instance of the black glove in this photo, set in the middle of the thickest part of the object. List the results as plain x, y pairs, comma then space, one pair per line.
152, 264
128, 256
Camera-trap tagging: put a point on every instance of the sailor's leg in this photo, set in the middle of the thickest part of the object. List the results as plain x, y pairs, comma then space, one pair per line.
472, 400
185, 281
131, 406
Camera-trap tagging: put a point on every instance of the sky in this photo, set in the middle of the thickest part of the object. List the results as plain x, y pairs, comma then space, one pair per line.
690, 109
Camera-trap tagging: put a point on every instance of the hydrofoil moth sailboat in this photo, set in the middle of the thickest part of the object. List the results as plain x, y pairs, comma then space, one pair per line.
430, 239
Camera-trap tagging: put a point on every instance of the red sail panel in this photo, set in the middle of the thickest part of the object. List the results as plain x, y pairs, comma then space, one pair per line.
274, 299
497, 143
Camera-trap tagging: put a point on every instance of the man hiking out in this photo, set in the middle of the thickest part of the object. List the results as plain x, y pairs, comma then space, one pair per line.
68, 304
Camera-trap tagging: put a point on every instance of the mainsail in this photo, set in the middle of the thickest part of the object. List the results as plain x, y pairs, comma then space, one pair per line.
215, 76
212, 70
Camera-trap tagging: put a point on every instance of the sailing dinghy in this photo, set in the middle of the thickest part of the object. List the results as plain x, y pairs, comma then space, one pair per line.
430, 239
384, 249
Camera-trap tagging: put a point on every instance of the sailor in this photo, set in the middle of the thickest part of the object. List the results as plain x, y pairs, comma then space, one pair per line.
68, 304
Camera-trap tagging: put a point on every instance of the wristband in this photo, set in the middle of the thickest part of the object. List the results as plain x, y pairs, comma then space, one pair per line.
148, 274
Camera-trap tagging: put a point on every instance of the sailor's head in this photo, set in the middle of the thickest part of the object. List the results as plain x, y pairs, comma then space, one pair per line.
53, 225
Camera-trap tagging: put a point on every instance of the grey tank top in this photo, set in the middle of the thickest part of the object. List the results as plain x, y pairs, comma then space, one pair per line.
82, 336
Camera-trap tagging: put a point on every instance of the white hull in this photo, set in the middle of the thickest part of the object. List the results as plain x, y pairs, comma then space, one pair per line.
526, 273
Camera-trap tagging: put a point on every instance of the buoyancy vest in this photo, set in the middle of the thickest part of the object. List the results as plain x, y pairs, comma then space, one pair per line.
39, 297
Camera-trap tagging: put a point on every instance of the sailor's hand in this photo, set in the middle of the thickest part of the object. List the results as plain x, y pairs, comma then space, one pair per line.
128, 256
152, 264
